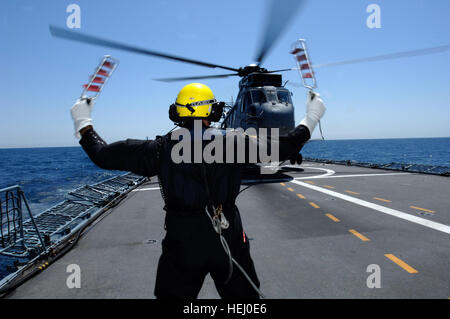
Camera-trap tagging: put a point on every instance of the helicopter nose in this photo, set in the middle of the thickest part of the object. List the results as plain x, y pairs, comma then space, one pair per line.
277, 115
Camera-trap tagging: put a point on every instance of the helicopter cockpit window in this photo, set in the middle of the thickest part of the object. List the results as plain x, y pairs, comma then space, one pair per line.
272, 96
258, 96
284, 97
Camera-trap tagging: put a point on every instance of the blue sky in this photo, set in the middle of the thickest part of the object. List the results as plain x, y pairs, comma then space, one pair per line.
41, 76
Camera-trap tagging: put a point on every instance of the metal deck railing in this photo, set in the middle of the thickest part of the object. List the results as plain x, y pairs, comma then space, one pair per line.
27, 239
17, 239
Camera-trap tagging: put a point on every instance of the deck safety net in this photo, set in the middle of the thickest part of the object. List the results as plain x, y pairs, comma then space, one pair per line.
414, 168
27, 237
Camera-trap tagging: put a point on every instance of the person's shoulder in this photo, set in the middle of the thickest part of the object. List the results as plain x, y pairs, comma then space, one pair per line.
163, 139
215, 131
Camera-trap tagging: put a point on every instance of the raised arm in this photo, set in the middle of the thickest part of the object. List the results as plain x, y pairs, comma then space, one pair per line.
137, 156
291, 144
315, 109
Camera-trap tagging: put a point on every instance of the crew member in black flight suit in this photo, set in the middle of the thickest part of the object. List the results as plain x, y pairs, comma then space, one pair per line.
204, 233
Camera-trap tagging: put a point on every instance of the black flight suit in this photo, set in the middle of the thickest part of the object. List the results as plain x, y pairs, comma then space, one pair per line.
191, 248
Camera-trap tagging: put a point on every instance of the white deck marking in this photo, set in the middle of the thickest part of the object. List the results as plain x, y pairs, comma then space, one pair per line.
393, 212
354, 175
145, 189
328, 173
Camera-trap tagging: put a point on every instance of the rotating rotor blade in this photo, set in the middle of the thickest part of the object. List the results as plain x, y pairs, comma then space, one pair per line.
295, 84
282, 70
391, 56
197, 77
80, 37
279, 13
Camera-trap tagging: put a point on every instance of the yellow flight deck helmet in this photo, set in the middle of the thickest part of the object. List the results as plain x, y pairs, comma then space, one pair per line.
195, 101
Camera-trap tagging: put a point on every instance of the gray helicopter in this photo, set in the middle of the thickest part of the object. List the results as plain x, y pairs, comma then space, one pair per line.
262, 100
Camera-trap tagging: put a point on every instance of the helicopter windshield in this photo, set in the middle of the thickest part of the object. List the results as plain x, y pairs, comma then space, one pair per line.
258, 96
271, 96
284, 96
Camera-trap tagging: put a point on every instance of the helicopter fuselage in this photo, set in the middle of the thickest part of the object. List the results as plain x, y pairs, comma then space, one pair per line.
262, 102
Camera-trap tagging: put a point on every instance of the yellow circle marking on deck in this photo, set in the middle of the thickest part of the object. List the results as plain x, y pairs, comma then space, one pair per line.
350, 192
328, 186
301, 196
291, 189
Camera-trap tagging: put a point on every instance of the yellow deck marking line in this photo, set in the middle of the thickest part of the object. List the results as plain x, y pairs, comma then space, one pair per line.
381, 209
360, 236
328, 186
423, 209
301, 196
309, 182
350, 192
314, 205
282, 184
291, 189
402, 264
332, 218
383, 200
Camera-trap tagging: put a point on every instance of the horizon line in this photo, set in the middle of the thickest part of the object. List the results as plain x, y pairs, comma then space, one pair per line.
312, 140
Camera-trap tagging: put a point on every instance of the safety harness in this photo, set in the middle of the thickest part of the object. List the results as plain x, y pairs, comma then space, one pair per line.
219, 222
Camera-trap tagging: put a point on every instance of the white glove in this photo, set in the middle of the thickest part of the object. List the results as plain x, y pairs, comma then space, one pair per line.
81, 114
315, 109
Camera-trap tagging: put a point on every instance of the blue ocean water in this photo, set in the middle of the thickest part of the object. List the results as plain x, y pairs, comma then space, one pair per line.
47, 174
428, 151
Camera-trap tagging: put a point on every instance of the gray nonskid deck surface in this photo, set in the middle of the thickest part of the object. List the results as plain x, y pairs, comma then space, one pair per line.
299, 252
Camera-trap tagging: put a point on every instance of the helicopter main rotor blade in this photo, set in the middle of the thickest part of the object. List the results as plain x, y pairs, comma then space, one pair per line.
80, 37
295, 84
197, 77
391, 56
279, 13
282, 70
